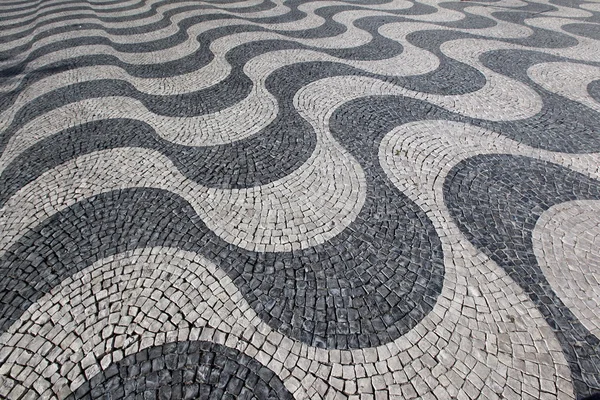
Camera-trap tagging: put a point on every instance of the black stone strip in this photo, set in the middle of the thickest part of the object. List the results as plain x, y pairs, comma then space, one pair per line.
276, 151
187, 104
152, 11
365, 287
562, 125
543, 38
280, 148
160, 44
204, 101
378, 48
39, 8
451, 77
416, 8
293, 15
38, 11
28, 5
572, 4
180, 36
594, 90
471, 21
89, 14
330, 28
185, 370
187, 63
531, 7
71, 22
31, 4
274, 159
496, 201
36, 15
591, 31
136, 30
283, 146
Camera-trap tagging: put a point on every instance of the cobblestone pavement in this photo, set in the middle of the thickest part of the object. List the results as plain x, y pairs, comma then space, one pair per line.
299, 199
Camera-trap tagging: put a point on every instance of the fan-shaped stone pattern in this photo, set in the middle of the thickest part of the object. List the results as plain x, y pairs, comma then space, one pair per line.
190, 369
496, 201
563, 124
365, 287
564, 241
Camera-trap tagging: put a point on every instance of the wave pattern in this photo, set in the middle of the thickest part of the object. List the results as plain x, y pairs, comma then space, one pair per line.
299, 199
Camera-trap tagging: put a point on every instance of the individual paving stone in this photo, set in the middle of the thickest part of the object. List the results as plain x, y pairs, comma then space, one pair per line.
189, 369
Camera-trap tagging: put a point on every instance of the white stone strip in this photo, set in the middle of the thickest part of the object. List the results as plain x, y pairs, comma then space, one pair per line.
483, 336
586, 50
160, 10
117, 307
52, 5
566, 240
591, 6
303, 209
417, 157
311, 20
568, 80
501, 98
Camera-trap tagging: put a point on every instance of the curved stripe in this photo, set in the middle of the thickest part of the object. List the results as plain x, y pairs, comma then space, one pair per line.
184, 273
162, 299
366, 180
34, 9
375, 115
417, 157
395, 257
149, 14
567, 79
307, 10
216, 373
259, 218
586, 50
506, 195
521, 102
565, 240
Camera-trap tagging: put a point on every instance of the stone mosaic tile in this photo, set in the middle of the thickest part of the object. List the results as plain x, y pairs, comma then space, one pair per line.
280, 199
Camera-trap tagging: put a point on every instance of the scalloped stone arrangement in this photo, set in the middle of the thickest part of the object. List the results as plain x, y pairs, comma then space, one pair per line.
297, 199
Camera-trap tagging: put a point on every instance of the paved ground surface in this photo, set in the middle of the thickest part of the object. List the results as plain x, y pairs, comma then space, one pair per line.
300, 199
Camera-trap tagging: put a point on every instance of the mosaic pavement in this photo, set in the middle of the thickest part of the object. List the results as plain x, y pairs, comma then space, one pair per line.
295, 199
